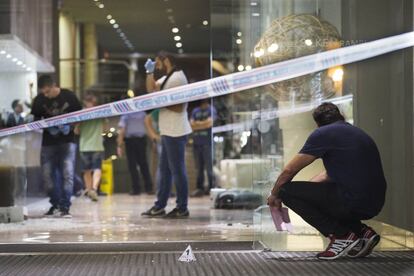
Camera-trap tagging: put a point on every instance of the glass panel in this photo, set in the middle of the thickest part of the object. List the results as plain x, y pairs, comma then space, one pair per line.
264, 128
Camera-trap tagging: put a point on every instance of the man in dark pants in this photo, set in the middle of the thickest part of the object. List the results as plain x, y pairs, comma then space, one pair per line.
350, 190
201, 123
58, 144
132, 132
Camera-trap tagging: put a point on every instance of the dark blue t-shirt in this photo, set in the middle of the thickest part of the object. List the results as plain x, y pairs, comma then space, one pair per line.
352, 160
202, 137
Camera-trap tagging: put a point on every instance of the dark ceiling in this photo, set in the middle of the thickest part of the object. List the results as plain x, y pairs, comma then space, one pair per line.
146, 23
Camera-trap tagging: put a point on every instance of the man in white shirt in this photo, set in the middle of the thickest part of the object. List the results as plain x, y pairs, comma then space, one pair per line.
174, 128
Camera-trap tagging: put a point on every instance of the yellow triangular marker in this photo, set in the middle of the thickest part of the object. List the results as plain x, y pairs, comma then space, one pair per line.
188, 255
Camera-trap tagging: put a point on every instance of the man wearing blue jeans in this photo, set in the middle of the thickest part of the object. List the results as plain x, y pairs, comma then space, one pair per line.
58, 144
174, 129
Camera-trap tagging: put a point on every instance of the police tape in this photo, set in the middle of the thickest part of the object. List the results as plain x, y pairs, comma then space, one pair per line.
256, 117
228, 84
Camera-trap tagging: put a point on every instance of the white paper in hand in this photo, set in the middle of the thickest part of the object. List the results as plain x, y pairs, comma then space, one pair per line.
281, 219
188, 255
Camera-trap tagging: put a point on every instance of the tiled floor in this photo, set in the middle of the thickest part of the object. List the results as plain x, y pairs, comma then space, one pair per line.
117, 219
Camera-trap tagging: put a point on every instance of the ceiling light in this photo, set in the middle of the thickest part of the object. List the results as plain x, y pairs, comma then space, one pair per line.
122, 34
256, 14
101, 6
240, 67
3, 52
110, 135
248, 67
8, 56
116, 26
308, 42
119, 31
14, 60
239, 41
205, 22
24, 66
239, 34
169, 10
273, 48
109, 16
259, 53
29, 69
95, 0
177, 38
19, 63
179, 45
180, 51
175, 30
112, 21
253, 3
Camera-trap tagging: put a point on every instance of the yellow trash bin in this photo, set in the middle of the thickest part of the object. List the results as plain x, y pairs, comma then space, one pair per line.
107, 180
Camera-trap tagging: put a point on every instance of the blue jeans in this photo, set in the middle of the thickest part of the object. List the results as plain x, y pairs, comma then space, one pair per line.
203, 159
172, 166
58, 169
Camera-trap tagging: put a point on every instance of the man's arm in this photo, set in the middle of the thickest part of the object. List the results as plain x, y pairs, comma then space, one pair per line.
299, 162
200, 125
150, 129
120, 141
151, 84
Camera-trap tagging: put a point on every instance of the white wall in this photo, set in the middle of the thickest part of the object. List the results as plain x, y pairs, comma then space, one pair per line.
16, 86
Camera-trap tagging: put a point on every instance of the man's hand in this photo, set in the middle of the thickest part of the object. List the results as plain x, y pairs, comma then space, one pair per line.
274, 201
149, 66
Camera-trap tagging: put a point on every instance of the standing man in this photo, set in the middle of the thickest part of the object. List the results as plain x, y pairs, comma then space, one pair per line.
58, 144
91, 149
15, 118
132, 133
350, 190
202, 119
174, 129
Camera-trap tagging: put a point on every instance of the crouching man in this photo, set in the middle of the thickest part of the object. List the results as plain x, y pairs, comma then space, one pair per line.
350, 190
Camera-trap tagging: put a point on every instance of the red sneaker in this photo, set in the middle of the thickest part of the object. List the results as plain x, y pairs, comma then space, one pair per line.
339, 247
368, 240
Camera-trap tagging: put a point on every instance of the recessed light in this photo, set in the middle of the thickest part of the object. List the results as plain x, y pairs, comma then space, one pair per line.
14, 60
3, 52
308, 42
101, 6
119, 30
96, 0
239, 33
116, 26
175, 30
253, 4
112, 21
248, 67
29, 69
24, 66
169, 10
19, 63
259, 53
240, 67
205, 22
179, 45
177, 38
255, 14
109, 16
8, 56
239, 41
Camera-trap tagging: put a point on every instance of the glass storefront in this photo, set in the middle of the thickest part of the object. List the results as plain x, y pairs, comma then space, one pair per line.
258, 131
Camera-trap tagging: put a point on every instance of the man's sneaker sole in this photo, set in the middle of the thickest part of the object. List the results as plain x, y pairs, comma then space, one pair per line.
368, 247
343, 253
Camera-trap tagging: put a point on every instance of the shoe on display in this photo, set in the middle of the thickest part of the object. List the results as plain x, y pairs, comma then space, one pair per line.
368, 240
339, 247
154, 212
177, 214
